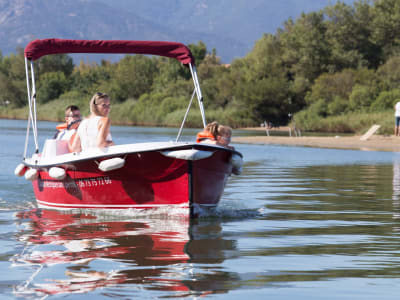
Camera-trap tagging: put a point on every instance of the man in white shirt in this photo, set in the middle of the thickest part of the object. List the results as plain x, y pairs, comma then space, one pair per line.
397, 118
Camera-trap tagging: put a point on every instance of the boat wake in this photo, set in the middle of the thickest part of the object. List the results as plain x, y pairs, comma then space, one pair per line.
228, 210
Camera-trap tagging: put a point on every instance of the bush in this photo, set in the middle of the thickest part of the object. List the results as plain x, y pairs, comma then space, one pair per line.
360, 98
337, 106
346, 123
386, 100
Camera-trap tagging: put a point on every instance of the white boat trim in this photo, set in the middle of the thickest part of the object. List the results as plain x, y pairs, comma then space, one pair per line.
117, 150
44, 204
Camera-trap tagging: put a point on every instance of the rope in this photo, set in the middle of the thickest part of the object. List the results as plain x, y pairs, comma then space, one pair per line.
186, 114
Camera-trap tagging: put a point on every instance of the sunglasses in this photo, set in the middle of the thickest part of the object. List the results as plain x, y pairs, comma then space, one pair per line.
74, 116
104, 105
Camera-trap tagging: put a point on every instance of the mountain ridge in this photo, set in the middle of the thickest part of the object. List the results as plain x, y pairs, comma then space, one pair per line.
231, 27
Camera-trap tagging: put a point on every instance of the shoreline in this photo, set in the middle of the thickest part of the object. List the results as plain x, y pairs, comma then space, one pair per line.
374, 143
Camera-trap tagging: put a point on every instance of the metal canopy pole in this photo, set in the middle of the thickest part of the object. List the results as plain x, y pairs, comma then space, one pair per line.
198, 93
34, 117
30, 110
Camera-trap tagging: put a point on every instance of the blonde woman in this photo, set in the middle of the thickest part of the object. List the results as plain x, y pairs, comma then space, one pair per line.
94, 131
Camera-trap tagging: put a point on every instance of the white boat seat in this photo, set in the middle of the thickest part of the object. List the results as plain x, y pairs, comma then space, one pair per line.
54, 147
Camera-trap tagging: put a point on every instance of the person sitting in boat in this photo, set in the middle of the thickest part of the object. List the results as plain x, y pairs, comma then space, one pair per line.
94, 131
216, 134
67, 131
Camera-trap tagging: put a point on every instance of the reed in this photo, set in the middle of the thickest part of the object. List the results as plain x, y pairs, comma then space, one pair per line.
355, 122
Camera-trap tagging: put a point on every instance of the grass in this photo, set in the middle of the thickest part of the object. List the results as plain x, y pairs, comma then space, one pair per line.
356, 123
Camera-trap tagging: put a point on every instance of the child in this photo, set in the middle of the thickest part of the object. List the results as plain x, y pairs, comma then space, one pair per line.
216, 134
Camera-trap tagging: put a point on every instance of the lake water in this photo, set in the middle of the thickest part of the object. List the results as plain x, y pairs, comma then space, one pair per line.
299, 223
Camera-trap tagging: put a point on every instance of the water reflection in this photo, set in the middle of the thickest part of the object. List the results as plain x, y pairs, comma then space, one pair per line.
78, 253
99, 252
396, 189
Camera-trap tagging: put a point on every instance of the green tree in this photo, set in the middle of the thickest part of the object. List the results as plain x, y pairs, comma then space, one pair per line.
386, 26
134, 75
304, 47
348, 35
389, 74
55, 63
13, 82
52, 85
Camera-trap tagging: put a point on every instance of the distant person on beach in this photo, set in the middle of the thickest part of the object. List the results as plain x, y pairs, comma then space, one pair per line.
94, 131
397, 118
216, 134
67, 131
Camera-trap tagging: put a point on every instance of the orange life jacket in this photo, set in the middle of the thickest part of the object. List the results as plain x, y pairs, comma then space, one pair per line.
62, 126
204, 135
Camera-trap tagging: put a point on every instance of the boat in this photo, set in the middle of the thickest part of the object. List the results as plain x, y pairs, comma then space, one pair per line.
186, 175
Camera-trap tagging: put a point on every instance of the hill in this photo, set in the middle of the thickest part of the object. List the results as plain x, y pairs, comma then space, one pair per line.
229, 26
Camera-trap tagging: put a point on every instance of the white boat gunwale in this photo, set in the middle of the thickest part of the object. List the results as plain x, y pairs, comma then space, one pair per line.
77, 157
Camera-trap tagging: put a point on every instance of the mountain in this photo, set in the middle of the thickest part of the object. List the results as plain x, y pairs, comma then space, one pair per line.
229, 26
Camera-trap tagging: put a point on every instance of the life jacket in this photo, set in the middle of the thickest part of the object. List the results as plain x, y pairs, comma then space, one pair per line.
204, 135
62, 126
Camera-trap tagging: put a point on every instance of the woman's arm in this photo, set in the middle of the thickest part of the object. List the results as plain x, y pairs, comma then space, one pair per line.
104, 130
76, 144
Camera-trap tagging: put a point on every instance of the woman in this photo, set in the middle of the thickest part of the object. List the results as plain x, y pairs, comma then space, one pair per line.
95, 130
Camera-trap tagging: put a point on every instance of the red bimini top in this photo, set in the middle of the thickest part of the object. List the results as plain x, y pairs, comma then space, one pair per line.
38, 48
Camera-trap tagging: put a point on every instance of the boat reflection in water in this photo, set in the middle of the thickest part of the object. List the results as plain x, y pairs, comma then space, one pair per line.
88, 252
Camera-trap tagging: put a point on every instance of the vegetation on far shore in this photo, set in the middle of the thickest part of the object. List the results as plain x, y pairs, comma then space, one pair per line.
335, 70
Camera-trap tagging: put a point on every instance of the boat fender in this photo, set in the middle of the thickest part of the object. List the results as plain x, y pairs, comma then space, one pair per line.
237, 164
57, 173
188, 154
111, 164
20, 170
31, 174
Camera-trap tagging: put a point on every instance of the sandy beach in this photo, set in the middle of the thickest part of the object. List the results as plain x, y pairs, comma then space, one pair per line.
374, 143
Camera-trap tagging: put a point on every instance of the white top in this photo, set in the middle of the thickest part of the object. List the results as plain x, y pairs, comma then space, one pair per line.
88, 130
397, 109
65, 135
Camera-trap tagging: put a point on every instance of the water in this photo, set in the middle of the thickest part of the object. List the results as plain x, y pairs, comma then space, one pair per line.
299, 223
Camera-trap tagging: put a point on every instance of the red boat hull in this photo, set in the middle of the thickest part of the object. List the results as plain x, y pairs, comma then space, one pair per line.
147, 180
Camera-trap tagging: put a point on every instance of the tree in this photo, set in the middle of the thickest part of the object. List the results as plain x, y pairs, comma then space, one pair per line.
261, 83
52, 85
386, 26
304, 48
13, 82
134, 76
55, 63
346, 36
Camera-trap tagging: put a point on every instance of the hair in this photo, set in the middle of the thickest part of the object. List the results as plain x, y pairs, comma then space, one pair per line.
95, 100
70, 109
224, 130
217, 129
212, 128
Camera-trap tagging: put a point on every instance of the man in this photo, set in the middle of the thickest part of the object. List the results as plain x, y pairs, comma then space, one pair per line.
67, 130
397, 118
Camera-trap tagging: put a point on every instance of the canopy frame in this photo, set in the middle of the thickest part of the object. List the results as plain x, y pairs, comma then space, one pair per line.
41, 47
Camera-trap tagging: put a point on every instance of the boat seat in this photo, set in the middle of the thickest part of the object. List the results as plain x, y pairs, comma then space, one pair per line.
54, 147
